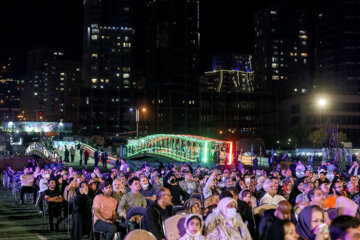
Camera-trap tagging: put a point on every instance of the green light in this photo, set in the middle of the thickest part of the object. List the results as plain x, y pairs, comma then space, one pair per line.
206, 149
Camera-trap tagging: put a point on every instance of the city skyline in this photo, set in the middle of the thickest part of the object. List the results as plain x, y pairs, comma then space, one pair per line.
32, 24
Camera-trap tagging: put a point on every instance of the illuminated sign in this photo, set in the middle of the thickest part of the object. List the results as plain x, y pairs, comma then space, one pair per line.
37, 127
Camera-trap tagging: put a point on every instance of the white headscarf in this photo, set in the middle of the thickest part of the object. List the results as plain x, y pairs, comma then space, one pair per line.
222, 206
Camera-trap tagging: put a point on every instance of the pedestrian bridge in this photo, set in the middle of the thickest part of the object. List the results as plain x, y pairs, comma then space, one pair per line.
182, 148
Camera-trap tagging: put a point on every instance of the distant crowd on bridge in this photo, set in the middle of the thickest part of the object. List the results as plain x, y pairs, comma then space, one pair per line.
187, 201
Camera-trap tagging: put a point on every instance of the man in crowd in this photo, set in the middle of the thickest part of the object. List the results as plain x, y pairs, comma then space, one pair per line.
146, 189
54, 199
188, 185
104, 158
96, 157
72, 154
338, 190
118, 190
158, 212
131, 199
27, 181
104, 208
124, 167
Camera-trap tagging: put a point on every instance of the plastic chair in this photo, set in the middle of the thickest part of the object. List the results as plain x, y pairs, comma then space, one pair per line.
139, 234
178, 209
174, 226
133, 212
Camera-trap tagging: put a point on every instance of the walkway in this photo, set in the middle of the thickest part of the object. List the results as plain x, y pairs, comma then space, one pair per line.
23, 221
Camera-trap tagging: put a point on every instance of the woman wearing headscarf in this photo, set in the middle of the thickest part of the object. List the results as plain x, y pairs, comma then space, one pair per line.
194, 225
311, 224
296, 190
282, 230
193, 206
224, 223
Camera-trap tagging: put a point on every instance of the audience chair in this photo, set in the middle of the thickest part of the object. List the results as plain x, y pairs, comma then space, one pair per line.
139, 234
174, 226
133, 212
197, 196
45, 216
178, 209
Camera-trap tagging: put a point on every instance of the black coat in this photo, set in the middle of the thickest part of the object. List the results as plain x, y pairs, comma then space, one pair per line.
82, 218
153, 219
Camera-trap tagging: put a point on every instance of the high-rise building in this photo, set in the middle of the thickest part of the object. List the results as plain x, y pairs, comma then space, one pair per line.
281, 62
227, 103
338, 46
282, 50
44, 96
9, 92
171, 67
108, 66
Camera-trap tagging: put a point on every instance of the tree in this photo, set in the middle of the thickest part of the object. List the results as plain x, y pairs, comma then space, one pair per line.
320, 138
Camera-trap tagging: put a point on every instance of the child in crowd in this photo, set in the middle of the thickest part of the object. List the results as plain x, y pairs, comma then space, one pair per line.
194, 226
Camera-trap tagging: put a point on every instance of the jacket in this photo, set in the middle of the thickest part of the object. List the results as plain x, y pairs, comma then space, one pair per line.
153, 220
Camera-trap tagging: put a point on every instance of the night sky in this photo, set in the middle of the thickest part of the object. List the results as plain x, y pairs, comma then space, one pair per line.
57, 24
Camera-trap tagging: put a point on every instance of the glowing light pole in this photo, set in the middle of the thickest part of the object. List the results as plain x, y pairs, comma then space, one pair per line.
137, 118
322, 104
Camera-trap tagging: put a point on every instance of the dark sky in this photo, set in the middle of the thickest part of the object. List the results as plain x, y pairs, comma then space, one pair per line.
29, 24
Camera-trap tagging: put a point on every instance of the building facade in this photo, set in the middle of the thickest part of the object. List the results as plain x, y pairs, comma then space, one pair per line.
172, 57
107, 93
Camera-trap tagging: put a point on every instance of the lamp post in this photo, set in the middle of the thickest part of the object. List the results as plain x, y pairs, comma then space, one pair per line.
321, 103
137, 118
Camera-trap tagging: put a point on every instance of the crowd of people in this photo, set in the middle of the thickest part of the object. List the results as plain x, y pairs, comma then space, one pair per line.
221, 203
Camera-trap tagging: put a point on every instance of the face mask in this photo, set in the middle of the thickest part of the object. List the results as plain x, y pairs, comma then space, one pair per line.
230, 212
47, 176
145, 185
193, 235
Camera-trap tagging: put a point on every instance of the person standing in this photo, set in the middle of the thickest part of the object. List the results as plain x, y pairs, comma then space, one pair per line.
86, 157
54, 198
72, 153
255, 163
104, 158
66, 155
27, 181
81, 151
96, 157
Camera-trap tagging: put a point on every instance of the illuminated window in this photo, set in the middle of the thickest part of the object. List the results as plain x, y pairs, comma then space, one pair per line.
94, 55
94, 37
275, 77
273, 12
303, 36
62, 74
126, 9
126, 75
126, 44
291, 54
94, 80
274, 65
126, 69
126, 39
303, 54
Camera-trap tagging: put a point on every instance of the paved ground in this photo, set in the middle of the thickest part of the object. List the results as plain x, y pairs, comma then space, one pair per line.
23, 221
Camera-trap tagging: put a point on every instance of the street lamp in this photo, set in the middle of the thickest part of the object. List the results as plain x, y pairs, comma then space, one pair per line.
321, 104
137, 118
